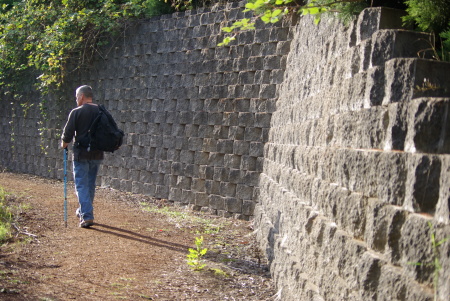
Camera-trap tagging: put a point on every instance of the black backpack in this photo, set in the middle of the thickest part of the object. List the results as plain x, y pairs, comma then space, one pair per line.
103, 133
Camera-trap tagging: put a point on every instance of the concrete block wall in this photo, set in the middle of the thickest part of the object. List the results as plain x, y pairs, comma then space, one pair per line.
23, 147
357, 165
196, 116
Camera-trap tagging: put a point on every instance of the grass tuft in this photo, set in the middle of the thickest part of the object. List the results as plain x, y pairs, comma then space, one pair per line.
5, 217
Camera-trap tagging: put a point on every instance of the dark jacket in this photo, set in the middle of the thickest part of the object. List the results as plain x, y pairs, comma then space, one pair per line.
77, 126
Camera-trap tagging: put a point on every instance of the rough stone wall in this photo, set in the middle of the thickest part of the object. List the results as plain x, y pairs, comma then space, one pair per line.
357, 164
330, 132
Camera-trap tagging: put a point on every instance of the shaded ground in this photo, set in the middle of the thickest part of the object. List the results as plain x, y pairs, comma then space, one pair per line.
136, 251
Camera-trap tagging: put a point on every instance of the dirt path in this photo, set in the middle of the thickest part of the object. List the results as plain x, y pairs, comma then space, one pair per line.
130, 254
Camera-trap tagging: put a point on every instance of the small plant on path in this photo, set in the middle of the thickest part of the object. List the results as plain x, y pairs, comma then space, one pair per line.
194, 258
5, 217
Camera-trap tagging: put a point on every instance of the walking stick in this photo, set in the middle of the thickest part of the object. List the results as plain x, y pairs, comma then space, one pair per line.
65, 186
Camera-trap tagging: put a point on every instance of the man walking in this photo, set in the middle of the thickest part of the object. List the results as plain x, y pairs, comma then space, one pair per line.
85, 163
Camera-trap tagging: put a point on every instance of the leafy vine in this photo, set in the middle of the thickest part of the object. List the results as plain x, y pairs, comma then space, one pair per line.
42, 42
425, 15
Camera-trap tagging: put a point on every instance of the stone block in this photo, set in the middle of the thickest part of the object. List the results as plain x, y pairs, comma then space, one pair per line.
201, 158
230, 119
191, 170
374, 93
396, 128
250, 177
392, 172
209, 145
236, 176
248, 163
134, 175
215, 118
125, 185
201, 199
164, 167
220, 174
415, 246
236, 133
231, 160
419, 78
198, 185
225, 146
369, 271
233, 205
443, 206
246, 78
248, 207
244, 192
168, 142
174, 194
262, 120
256, 149
187, 197
185, 117
176, 168
156, 141
428, 124
220, 132
253, 134
183, 182
215, 159
241, 147
216, 202
162, 191
373, 19
389, 44
173, 155
181, 143
195, 105
422, 183
149, 189
187, 156
206, 131
251, 91
226, 105
212, 187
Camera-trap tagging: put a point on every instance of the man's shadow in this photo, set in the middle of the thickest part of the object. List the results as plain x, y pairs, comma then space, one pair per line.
139, 237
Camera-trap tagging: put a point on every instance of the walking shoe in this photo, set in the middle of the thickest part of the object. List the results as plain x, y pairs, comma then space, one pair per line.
77, 213
86, 224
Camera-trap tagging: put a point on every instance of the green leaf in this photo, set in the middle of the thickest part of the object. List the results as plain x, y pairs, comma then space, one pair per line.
441, 242
276, 12
265, 19
250, 6
314, 10
317, 20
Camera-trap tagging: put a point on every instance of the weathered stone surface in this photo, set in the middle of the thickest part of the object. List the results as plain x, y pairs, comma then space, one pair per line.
428, 126
372, 20
335, 156
422, 183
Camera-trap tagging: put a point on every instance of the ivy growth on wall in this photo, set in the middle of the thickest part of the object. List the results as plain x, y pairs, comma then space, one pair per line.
43, 42
38, 37
424, 15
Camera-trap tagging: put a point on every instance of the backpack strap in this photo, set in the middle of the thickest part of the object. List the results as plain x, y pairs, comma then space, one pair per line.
94, 124
110, 118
